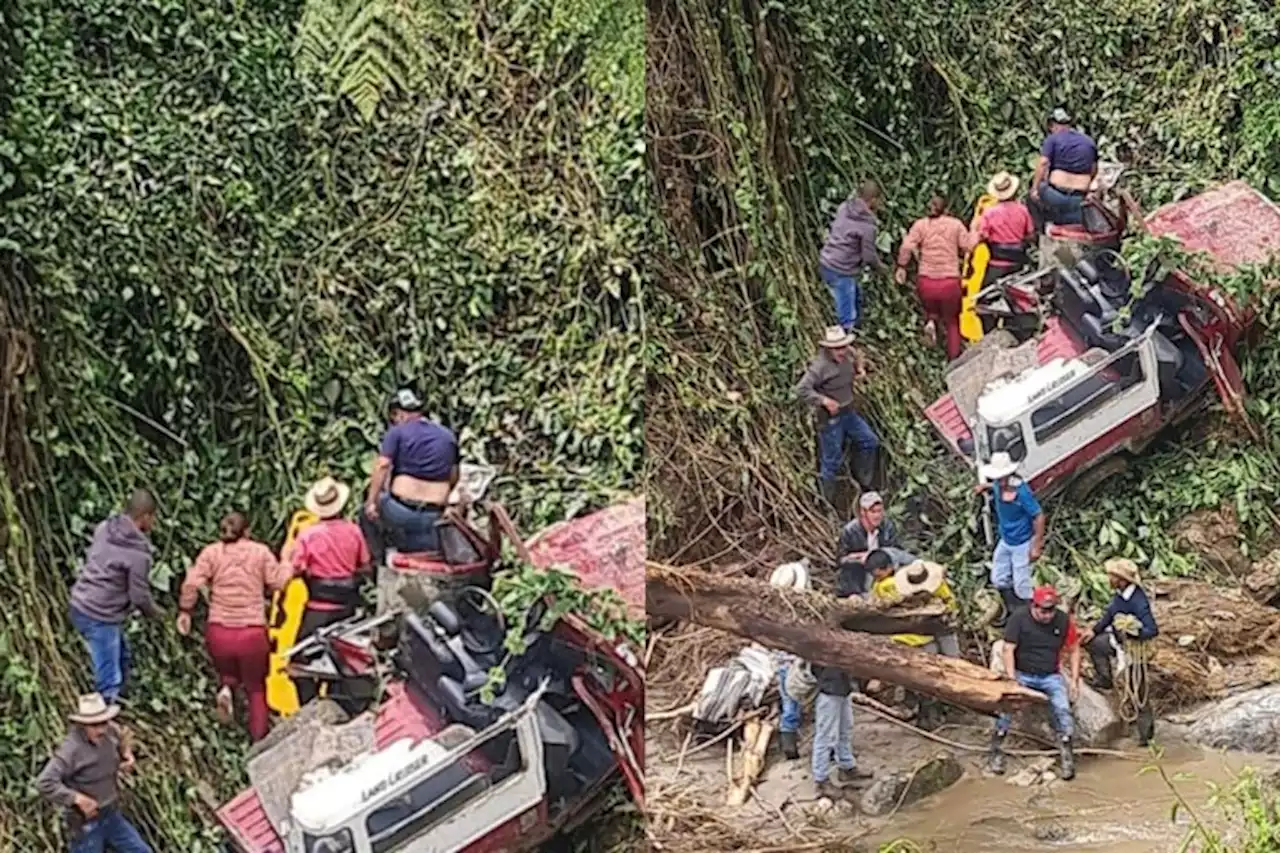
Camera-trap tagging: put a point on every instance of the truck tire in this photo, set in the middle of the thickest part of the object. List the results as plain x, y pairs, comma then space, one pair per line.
1083, 486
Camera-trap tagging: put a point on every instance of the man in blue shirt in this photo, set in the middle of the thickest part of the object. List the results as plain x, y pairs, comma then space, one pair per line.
417, 467
1067, 166
1022, 525
1129, 604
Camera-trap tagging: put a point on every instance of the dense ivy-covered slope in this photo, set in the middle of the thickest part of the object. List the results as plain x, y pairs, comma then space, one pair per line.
228, 231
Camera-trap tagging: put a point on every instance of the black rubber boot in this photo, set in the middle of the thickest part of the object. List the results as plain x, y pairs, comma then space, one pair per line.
1066, 760
1011, 603
996, 758
1100, 655
1146, 726
831, 494
790, 749
864, 469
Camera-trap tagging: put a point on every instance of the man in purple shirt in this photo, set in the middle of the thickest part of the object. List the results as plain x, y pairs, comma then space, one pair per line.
417, 467
1067, 166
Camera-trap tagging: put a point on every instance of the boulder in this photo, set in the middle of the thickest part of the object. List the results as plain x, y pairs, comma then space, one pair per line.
904, 787
1245, 722
1096, 721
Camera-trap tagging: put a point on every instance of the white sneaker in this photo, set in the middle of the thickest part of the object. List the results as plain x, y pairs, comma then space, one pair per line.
222, 705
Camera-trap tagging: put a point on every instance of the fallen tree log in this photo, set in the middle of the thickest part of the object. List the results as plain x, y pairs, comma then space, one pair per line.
852, 614
819, 629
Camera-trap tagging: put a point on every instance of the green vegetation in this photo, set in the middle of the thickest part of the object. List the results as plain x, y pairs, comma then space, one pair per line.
227, 232
767, 117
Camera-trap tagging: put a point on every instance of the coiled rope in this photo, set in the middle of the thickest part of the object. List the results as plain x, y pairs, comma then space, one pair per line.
1134, 687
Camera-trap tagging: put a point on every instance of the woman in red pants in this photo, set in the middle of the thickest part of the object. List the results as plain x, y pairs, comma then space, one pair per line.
240, 574
940, 243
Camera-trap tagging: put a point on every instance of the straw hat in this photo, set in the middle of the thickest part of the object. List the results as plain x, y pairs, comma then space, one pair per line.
1003, 186
327, 498
1126, 570
92, 709
835, 337
790, 576
920, 576
1000, 466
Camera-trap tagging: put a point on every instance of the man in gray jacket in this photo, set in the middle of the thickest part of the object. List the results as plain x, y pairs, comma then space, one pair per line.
114, 581
827, 388
849, 250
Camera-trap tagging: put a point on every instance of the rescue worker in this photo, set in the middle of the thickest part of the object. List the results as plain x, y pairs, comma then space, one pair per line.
920, 578
939, 242
789, 576
240, 574
1066, 169
1006, 227
417, 467
330, 556
869, 531
827, 387
1127, 624
83, 777
1035, 641
850, 250
114, 582
1021, 533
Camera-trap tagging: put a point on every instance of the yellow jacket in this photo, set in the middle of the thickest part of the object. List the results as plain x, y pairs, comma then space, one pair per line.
887, 590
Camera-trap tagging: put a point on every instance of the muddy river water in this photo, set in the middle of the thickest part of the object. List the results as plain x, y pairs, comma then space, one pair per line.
1111, 806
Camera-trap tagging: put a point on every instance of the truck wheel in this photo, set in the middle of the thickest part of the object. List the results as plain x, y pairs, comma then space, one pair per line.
324, 711
1088, 482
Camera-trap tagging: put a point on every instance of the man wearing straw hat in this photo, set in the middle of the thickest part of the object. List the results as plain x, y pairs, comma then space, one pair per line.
1022, 528
83, 777
330, 556
1006, 227
1126, 626
827, 387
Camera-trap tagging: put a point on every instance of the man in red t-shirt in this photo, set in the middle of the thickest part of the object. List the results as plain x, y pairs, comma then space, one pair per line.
1006, 228
330, 556
1035, 639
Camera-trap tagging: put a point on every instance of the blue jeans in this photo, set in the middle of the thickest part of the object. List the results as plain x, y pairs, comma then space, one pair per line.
1055, 687
1061, 208
1011, 568
847, 295
110, 830
410, 529
832, 731
109, 651
792, 715
831, 439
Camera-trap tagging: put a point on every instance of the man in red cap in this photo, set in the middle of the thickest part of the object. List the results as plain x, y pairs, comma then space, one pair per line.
1034, 641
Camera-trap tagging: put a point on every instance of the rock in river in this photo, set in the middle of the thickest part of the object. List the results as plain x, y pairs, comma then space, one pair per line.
1245, 722
907, 786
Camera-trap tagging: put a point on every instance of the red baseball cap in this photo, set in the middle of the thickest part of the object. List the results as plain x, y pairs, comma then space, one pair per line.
1044, 595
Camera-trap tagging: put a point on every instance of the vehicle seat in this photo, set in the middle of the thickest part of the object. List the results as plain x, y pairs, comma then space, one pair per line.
560, 740
1171, 360
1076, 300
452, 699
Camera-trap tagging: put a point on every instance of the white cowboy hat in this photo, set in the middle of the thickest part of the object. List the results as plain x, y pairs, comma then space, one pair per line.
1003, 186
1124, 569
790, 576
327, 498
835, 337
1000, 466
92, 709
920, 576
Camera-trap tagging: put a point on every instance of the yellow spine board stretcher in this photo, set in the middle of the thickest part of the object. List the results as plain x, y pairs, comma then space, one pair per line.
287, 607
974, 271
